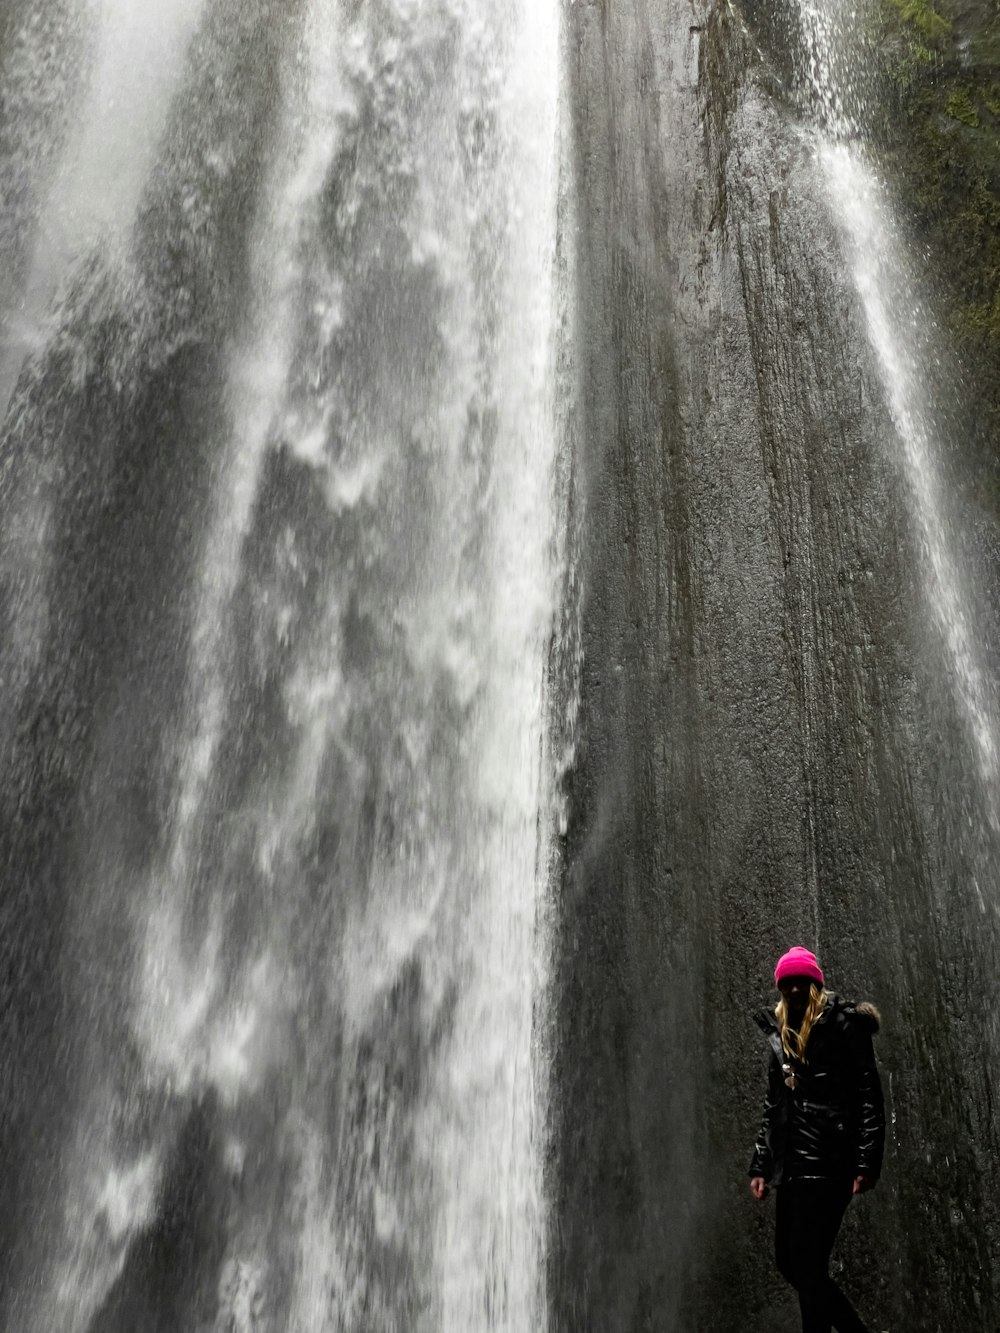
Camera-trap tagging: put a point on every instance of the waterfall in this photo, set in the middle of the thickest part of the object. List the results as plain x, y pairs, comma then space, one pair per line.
896, 322
283, 487
482, 571
901, 330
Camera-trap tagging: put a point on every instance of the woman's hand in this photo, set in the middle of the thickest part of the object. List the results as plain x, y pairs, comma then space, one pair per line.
758, 1187
862, 1184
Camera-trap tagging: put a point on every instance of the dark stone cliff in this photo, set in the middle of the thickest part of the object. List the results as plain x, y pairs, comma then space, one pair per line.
769, 753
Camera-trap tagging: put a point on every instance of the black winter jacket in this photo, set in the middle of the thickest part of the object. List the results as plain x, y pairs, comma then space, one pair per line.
832, 1123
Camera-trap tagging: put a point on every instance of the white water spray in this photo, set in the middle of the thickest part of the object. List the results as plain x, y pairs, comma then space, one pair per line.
337, 952
897, 325
89, 198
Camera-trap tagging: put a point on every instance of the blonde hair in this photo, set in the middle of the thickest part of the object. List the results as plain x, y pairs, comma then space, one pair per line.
794, 1043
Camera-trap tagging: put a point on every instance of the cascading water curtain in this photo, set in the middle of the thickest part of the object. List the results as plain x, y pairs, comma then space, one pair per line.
835, 89
281, 548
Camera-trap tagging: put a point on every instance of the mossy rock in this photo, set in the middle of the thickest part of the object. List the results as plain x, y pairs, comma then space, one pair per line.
920, 17
960, 107
936, 128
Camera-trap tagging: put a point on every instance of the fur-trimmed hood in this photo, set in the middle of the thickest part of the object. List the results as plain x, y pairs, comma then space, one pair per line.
869, 1014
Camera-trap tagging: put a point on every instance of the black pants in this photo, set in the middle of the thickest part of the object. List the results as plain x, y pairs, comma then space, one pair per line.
809, 1214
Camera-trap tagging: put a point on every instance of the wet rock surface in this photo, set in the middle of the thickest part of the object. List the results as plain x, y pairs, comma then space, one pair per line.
770, 753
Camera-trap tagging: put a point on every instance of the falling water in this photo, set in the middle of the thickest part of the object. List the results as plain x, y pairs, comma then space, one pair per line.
310, 251
897, 327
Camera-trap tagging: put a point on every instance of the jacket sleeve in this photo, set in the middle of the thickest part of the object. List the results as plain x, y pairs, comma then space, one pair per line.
762, 1161
870, 1103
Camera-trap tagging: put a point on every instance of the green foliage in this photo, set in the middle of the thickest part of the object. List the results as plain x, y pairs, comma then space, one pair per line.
908, 69
939, 138
921, 16
959, 107
972, 321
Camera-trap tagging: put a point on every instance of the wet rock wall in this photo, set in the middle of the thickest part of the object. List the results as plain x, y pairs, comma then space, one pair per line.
769, 753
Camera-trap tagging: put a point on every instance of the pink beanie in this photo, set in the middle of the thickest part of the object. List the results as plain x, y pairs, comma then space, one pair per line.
798, 962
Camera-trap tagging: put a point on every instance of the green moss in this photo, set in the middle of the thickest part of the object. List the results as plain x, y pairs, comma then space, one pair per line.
959, 106
937, 137
925, 170
924, 18
971, 322
907, 70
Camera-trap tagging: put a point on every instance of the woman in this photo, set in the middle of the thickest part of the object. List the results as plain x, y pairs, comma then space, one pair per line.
823, 1132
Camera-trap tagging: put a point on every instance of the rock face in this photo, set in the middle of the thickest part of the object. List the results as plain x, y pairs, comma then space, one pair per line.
275, 557
769, 750
936, 118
